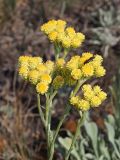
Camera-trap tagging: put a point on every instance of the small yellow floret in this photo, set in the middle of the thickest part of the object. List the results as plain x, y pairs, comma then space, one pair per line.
85, 56
76, 74
100, 71
97, 89
98, 58
23, 60
102, 95
95, 101
66, 42
83, 105
87, 91
34, 61
42, 88
81, 36
88, 70
74, 100
60, 36
49, 26
50, 66
70, 32
75, 42
73, 63
33, 76
41, 68
23, 72
53, 36
46, 78
61, 23
60, 62
86, 88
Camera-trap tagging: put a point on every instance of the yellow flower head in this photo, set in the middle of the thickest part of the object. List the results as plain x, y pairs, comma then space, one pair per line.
60, 36
97, 61
23, 60
50, 66
81, 36
49, 26
95, 101
77, 40
75, 59
23, 72
70, 32
42, 88
33, 76
41, 68
58, 82
87, 91
53, 36
98, 58
34, 61
60, 62
102, 95
97, 89
100, 71
88, 95
61, 23
74, 100
76, 74
86, 88
46, 78
73, 63
87, 70
66, 42
85, 56
83, 105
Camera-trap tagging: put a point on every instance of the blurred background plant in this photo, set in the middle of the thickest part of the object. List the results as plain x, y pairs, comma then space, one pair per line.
7, 8
19, 34
105, 33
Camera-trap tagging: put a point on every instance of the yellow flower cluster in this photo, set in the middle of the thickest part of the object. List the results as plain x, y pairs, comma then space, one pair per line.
36, 72
79, 67
92, 97
57, 32
86, 66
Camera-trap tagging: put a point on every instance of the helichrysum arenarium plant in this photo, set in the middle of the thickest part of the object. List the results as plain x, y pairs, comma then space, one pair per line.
48, 77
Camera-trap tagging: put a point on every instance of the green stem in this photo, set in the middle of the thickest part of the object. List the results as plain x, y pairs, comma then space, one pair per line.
47, 121
48, 118
40, 110
57, 51
57, 131
79, 83
65, 53
80, 122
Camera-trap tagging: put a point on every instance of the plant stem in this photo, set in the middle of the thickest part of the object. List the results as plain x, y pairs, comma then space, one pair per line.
80, 122
57, 51
49, 99
40, 110
79, 83
57, 131
65, 53
47, 119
